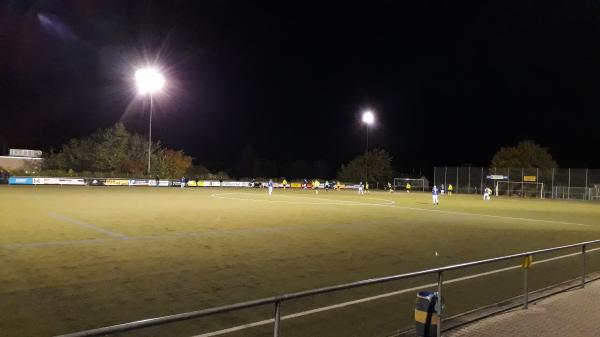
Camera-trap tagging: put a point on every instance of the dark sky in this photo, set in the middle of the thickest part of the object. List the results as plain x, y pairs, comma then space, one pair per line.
450, 81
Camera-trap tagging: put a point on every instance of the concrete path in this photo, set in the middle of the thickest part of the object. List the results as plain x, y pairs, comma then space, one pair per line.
572, 313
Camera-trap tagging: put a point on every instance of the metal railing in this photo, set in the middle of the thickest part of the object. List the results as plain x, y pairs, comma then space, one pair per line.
278, 300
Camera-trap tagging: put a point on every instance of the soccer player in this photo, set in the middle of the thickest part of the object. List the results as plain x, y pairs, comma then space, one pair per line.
434, 195
338, 186
366, 187
390, 187
270, 185
316, 185
450, 188
408, 187
182, 183
486, 193
442, 189
284, 184
361, 191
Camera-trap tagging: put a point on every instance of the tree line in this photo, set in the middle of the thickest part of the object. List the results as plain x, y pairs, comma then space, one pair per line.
116, 152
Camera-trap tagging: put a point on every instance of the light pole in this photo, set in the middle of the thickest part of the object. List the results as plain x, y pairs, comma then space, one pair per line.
149, 81
368, 118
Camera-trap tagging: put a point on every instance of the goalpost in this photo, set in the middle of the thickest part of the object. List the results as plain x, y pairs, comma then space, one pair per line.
416, 184
519, 188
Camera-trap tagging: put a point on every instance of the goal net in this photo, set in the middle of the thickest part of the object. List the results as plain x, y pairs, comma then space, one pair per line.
520, 189
415, 184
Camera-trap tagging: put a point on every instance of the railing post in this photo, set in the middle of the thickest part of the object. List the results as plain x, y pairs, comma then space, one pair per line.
583, 248
440, 282
525, 286
277, 326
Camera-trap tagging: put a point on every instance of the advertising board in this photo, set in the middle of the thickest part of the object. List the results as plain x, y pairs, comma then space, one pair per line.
20, 181
116, 182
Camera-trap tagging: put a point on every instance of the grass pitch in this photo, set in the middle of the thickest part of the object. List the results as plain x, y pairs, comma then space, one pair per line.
74, 258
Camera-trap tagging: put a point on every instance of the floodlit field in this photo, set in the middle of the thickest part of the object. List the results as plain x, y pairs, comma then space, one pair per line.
76, 258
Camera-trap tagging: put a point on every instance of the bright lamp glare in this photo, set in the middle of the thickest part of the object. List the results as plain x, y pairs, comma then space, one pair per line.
149, 80
368, 117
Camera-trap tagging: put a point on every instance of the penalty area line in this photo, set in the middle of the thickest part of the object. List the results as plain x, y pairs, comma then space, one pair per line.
372, 298
76, 222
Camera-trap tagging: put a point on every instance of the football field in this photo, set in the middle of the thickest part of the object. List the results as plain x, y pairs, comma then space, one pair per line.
75, 258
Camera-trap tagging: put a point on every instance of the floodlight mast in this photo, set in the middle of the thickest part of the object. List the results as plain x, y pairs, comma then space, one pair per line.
149, 81
368, 118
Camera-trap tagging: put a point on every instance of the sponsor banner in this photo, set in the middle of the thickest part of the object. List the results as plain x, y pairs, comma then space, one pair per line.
351, 186
235, 184
116, 182
58, 181
497, 177
176, 183
95, 182
20, 180
296, 185
141, 182
532, 179
192, 183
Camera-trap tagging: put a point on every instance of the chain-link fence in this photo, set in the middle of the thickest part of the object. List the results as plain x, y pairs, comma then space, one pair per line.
552, 183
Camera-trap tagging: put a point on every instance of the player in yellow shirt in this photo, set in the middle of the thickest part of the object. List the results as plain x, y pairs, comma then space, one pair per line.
338, 186
284, 182
408, 187
450, 189
316, 185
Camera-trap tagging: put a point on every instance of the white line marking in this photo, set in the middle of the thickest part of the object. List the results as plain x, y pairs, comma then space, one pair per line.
390, 203
372, 298
87, 225
318, 201
492, 216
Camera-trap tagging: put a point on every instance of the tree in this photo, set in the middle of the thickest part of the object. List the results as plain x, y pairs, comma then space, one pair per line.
115, 151
320, 169
526, 154
249, 164
376, 163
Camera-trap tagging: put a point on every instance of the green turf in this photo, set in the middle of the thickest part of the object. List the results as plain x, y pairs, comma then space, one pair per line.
76, 258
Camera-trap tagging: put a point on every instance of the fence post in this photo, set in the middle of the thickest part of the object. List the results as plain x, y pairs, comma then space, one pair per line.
481, 186
525, 287
277, 326
586, 183
522, 184
440, 282
469, 181
553, 183
457, 179
508, 191
569, 188
445, 177
537, 181
583, 249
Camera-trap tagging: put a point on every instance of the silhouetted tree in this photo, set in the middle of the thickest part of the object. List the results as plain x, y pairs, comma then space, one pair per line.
376, 164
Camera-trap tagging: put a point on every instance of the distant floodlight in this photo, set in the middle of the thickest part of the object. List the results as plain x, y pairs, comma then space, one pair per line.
149, 80
368, 117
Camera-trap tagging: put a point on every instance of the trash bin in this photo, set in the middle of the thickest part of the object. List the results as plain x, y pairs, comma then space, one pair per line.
426, 314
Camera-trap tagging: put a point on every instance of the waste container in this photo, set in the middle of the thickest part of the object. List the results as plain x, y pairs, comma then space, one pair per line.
426, 314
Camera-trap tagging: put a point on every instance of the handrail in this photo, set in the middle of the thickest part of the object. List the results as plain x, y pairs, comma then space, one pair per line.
277, 300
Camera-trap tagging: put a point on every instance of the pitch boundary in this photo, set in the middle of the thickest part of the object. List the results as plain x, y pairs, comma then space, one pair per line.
372, 298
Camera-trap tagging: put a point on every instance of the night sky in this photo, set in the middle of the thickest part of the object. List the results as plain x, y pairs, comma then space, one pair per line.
450, 81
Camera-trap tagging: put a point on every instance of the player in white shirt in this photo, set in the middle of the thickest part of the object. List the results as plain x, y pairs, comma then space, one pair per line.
486, 193
361, 188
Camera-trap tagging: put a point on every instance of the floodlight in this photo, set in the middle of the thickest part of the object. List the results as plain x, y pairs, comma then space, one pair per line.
368, 117
149, 80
